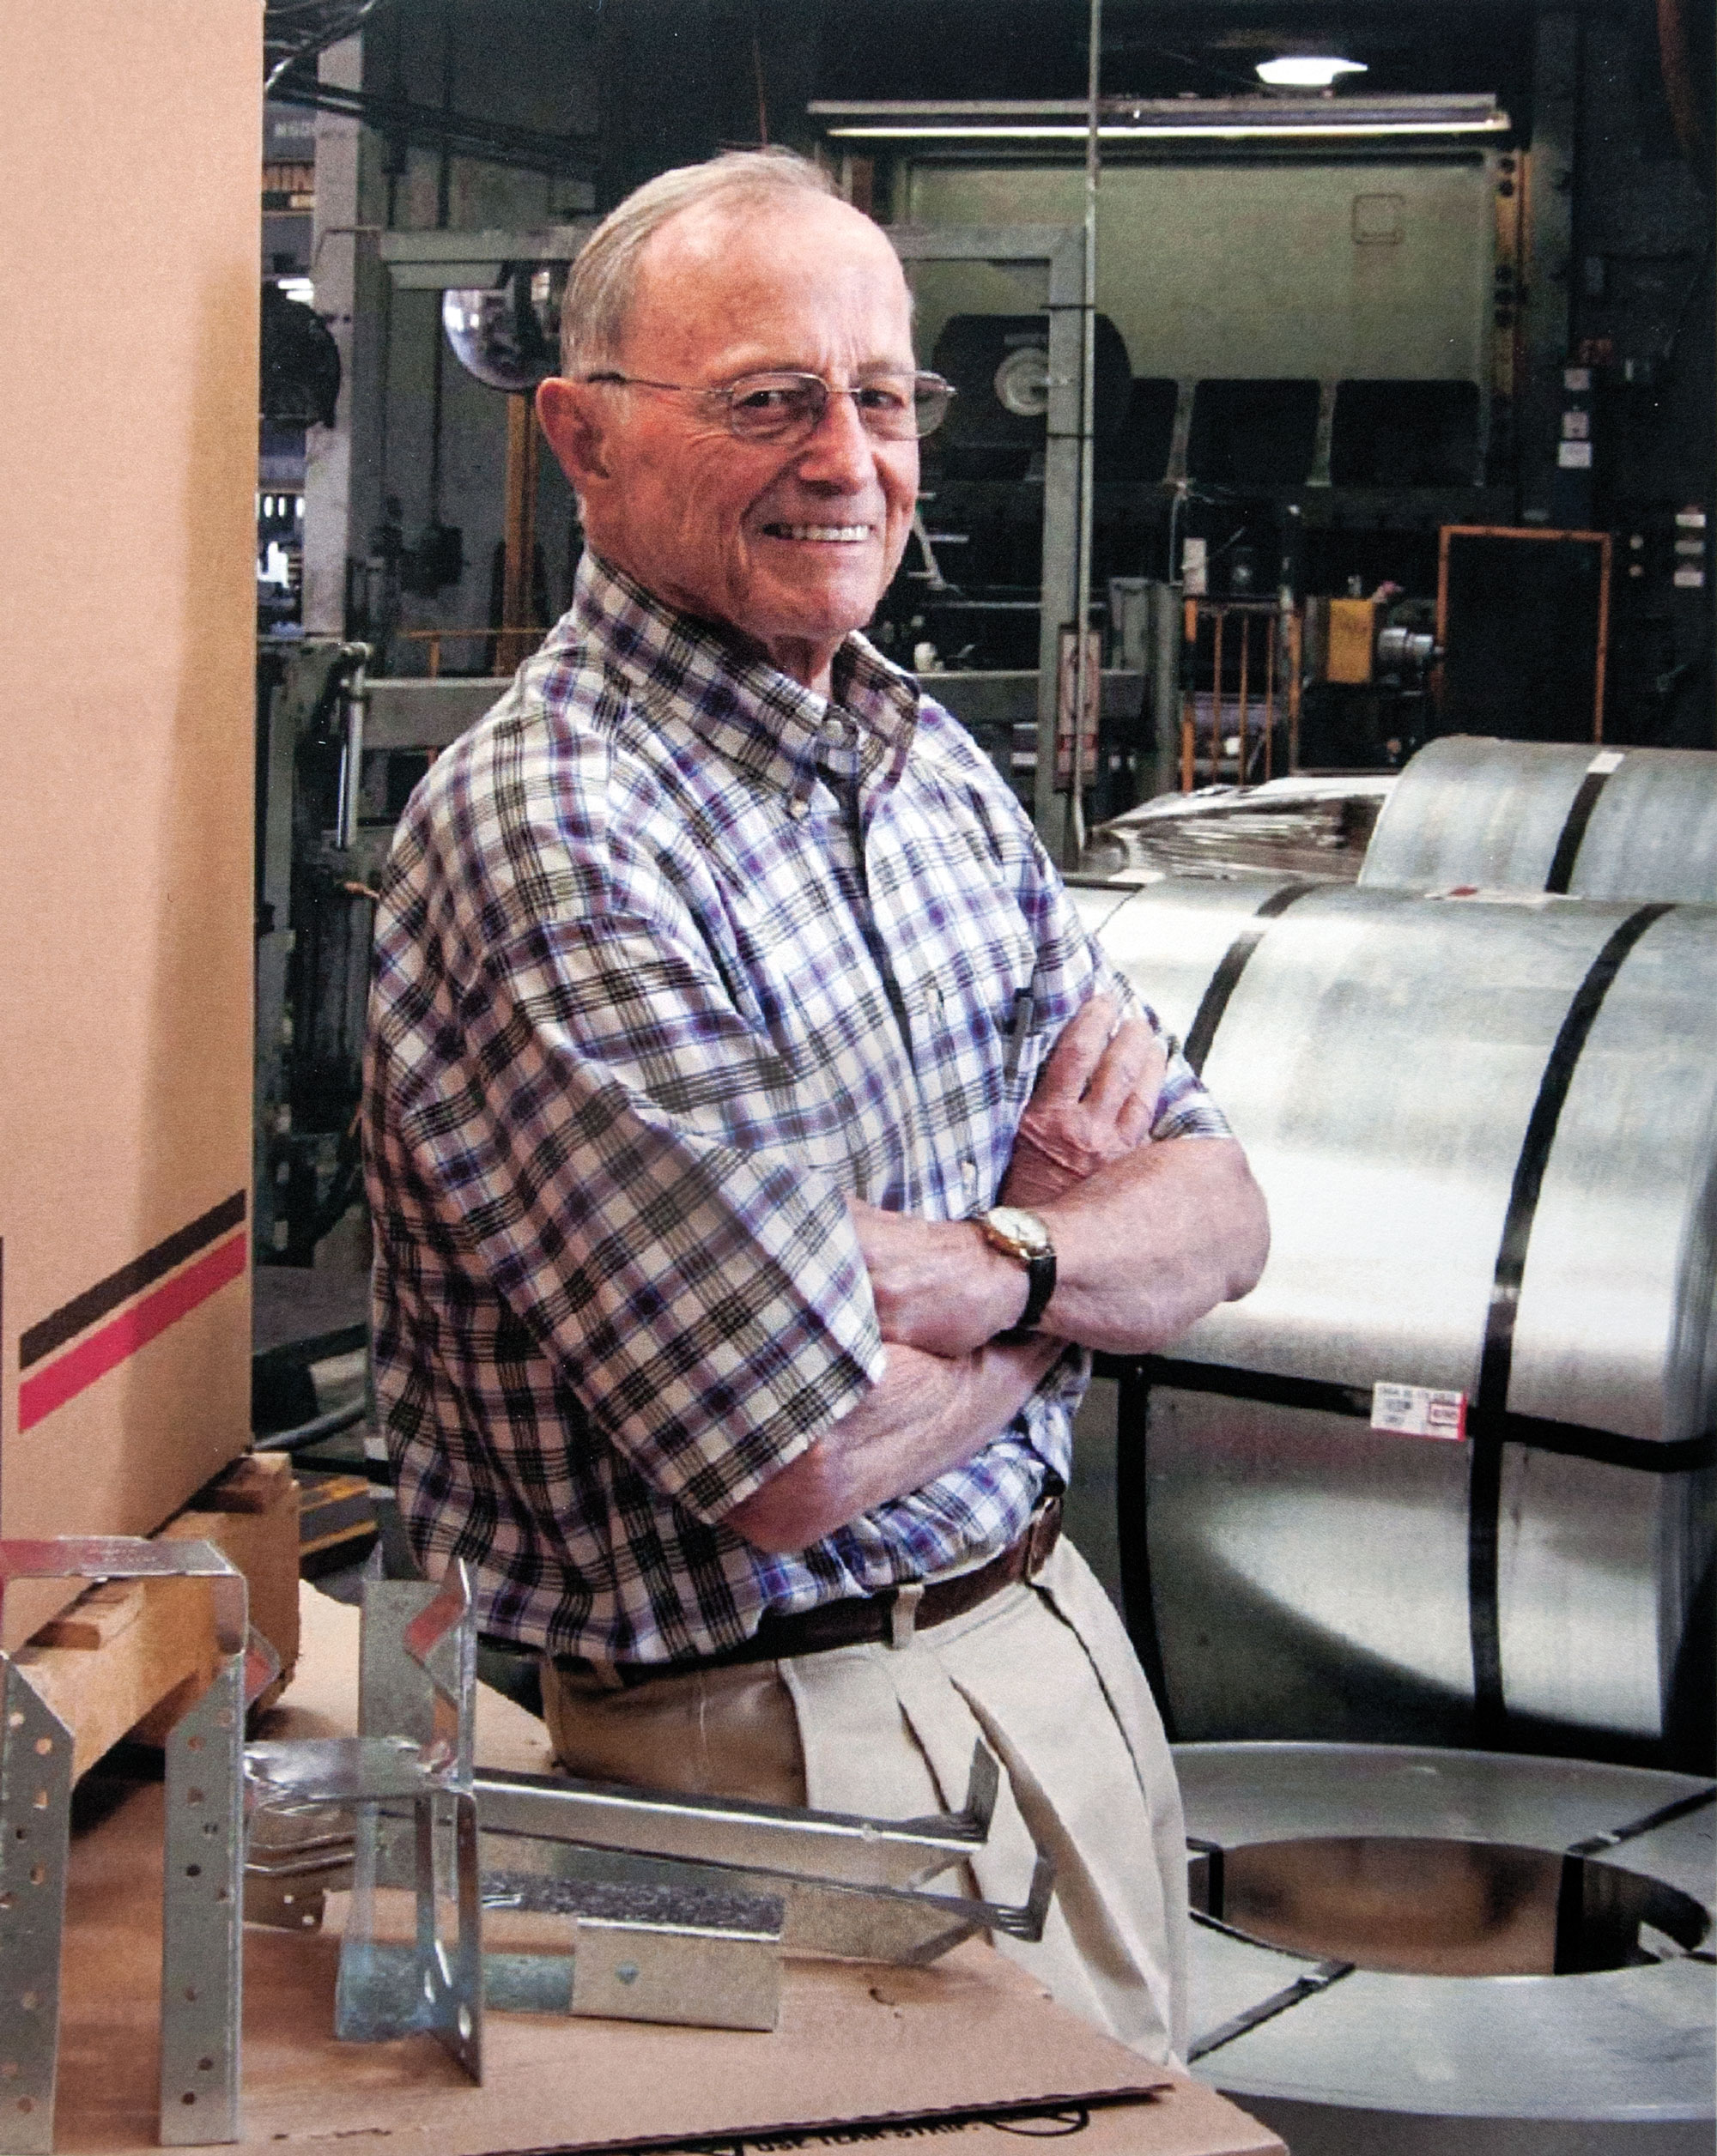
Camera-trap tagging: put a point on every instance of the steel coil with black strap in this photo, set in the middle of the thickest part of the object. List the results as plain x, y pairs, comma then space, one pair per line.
1516, 1541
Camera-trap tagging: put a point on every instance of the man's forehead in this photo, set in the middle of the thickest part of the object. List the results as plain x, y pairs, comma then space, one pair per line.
728, 242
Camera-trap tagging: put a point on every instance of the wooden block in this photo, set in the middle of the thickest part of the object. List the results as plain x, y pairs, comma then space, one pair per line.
255, 1483
336, 1522
159, 1638
251, 1514
129, 1654
99, 1615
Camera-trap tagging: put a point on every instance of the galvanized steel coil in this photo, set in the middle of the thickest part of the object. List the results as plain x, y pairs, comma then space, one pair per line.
1406, 1949
1597, 823
1487, 1134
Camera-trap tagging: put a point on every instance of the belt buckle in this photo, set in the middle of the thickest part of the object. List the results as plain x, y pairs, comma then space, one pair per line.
1042, 1533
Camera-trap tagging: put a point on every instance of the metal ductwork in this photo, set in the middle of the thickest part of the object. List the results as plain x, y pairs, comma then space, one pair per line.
1487, 1134
1607, 823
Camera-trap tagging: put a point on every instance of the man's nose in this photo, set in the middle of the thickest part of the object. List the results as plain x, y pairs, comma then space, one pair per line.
838, 452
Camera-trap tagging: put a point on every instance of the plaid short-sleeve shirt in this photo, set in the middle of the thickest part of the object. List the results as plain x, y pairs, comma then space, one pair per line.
671, 956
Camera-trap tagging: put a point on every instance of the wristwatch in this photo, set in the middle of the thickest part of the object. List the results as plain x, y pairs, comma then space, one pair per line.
1022, 1237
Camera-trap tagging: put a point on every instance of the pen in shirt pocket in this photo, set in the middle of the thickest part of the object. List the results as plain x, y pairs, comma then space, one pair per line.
1019, 1028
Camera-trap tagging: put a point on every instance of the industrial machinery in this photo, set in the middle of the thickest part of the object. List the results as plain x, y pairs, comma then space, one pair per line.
1296, 410
1445, 1475
338, 753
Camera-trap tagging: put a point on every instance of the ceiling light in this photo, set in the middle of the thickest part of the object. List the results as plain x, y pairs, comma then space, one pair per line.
1142, 121
1306, 71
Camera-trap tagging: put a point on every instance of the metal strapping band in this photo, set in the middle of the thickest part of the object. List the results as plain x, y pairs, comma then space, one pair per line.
1487, 1423
1598, 774
1226, 978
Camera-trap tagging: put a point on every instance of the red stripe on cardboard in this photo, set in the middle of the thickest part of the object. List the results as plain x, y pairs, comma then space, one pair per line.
80, 1367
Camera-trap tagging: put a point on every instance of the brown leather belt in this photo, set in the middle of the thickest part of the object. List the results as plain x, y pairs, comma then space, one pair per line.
891, 1617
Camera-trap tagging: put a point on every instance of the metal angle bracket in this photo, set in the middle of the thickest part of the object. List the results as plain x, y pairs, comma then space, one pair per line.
384, 1988
851, 1886
837, 1848
203, 1859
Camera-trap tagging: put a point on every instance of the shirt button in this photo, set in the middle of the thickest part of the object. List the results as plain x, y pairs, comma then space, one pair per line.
797, 806
932, 997
968, 1175
834, 732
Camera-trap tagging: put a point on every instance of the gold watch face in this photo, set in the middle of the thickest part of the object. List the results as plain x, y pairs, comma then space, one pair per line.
1016, 1230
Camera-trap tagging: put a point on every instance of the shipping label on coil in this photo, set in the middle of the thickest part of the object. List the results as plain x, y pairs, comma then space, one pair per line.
1418, 1411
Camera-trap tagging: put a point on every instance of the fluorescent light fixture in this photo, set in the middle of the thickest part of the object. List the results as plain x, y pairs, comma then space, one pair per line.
1306, 71
1140, 120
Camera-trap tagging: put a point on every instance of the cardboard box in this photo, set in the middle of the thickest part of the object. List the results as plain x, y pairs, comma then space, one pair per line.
127, 538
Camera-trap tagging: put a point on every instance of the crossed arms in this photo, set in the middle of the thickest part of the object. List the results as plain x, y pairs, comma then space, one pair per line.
1148, 1237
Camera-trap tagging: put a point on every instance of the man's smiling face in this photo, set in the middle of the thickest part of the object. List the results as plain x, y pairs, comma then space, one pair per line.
793, 545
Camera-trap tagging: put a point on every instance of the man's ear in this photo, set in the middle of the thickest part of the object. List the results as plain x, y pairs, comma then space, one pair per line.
569, 416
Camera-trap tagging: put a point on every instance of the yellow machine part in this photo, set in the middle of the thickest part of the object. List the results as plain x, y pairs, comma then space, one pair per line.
1352, 639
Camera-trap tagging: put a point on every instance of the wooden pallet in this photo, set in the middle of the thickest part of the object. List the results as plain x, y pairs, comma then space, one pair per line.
128, 1655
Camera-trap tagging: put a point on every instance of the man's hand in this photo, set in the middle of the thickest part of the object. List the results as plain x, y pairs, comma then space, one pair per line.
1094, 1100
928, 1415
937, 1284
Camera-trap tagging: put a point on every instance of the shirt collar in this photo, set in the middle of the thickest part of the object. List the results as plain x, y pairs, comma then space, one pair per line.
719, 682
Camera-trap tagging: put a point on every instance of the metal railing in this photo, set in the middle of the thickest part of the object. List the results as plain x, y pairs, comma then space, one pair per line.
512, 646
1240, 684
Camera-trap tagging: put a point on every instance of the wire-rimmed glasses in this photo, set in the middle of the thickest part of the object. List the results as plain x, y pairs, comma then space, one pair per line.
788, 406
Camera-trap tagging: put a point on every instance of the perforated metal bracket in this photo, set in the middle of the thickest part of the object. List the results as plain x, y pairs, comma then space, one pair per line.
204, 1871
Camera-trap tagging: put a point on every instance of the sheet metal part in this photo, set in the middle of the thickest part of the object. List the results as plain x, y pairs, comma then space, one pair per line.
705, 1889
832, 1847
685, 1974
1488, 1134
1626, 2049
1288, 826
203, 1865
853, 1886
437, 1986
859, 1918
535, 1857
1604, 823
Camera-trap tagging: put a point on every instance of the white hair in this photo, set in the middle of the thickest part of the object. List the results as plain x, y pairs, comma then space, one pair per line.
603, 282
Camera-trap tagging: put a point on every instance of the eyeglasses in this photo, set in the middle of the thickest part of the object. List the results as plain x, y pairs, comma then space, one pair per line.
789, 408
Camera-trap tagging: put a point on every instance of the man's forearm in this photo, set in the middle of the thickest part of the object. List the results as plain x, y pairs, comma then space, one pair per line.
928, 1414
1145, 1246
1149, 1244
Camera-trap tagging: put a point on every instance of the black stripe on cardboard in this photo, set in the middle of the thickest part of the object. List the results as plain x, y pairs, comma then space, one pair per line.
1223, 982
1572, 833
1487, 1419
95, 1303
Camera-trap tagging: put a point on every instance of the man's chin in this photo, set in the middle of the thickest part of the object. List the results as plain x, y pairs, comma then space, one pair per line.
824, 617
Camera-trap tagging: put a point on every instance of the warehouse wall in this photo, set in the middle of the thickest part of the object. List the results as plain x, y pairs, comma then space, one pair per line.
128, 353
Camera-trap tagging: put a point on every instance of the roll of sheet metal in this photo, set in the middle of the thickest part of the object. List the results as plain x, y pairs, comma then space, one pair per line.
1452, 1953
1445, 1475
1605, 823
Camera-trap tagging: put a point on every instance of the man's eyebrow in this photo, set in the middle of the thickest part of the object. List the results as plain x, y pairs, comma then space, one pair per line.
864, 370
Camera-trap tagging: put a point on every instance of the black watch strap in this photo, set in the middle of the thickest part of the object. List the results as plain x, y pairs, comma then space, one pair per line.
1040, 1266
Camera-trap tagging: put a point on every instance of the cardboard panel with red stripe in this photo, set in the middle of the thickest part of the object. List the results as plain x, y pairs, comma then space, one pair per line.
126, 692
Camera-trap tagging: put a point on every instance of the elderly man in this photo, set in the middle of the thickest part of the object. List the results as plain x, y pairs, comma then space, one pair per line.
755, 1141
